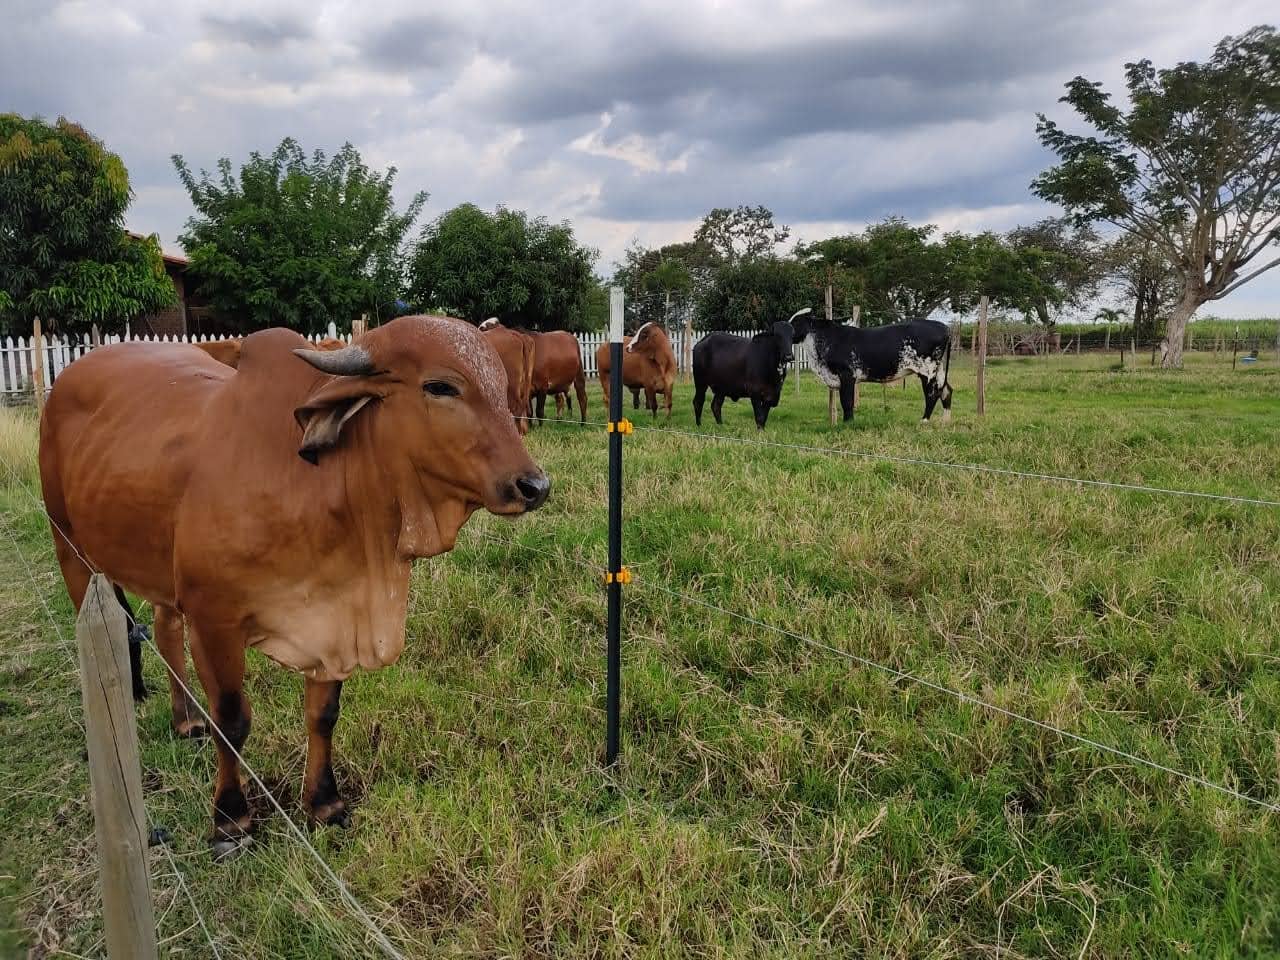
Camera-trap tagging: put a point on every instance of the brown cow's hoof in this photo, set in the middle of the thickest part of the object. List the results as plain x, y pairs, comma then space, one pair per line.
228, 848
333, 814
191, 729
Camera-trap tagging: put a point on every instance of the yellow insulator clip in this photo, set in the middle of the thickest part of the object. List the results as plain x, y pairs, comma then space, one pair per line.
623, 426
623, 576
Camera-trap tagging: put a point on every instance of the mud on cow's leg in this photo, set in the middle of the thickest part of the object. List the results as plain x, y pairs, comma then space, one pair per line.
171, 642
220, 663
946, 402
320, 789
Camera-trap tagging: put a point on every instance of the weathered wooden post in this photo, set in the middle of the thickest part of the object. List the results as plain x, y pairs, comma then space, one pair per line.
114, 775
982, 355
1106, 343
37, 364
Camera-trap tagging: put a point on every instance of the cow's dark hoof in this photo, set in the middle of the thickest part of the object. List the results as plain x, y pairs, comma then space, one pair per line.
333, 814
191, 729
140, 633
228, 848
159, 836
140, 692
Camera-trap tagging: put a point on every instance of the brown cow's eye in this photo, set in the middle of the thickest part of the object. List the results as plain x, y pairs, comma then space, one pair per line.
439, 388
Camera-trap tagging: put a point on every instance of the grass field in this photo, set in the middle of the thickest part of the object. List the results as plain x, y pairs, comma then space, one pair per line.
774, 798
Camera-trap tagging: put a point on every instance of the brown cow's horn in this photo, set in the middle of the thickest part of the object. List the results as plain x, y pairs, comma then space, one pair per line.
350, 361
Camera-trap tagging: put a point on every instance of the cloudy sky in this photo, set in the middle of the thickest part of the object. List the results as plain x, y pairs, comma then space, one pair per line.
630, 122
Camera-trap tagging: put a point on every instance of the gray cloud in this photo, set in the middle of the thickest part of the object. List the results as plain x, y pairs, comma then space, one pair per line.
631, 121
261, 32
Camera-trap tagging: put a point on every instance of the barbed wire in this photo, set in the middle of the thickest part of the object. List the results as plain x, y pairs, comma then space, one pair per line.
918, 680
923, 462
71, 656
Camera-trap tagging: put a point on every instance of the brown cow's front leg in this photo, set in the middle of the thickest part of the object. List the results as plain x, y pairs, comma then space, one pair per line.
320, 788
651, 401
187, 720
220, 663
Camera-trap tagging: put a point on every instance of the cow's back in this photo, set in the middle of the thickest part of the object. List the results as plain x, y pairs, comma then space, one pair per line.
116, 440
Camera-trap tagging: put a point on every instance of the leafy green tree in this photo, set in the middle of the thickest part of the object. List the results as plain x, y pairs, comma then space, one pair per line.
752, 294
902, 273
1142, 275
64, 253
740, 233
1192, 167
525, 271
663, 281
295, 240
1067, 261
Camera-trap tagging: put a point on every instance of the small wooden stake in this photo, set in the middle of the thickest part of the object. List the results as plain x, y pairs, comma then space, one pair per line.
982, 355
37, 364
115, 775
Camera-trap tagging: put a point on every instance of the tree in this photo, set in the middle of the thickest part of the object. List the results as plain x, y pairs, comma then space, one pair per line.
1142, 275
740, 233
527, 272
1193, 167
1066, 260
663, 280
64, 253
902, 273
295, 240
752, 294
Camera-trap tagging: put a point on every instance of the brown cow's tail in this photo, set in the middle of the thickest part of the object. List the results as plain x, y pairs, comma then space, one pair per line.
580, 388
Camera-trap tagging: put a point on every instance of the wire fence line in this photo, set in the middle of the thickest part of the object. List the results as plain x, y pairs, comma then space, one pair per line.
371, 926
918, 680
72, 659
923, 462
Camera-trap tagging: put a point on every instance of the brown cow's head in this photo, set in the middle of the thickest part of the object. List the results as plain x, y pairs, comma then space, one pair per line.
649, 339
427, 393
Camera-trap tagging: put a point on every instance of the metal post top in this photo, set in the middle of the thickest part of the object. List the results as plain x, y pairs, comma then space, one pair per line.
615, 314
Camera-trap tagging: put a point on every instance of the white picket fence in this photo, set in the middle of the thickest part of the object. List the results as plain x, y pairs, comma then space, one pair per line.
17, 355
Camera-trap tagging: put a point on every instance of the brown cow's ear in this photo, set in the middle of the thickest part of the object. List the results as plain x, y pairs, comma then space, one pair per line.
328, 409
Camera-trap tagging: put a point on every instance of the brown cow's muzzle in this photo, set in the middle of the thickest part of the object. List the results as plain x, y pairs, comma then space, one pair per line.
524, 491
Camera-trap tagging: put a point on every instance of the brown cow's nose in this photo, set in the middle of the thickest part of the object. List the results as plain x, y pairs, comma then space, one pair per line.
532, 488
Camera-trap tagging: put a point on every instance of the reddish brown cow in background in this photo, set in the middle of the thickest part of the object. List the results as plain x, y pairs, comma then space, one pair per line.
228, 351
278, 506
557, 368
516, 352
648, 363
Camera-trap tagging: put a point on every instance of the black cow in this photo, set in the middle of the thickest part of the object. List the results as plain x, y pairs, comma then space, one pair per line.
736, 367
842, 356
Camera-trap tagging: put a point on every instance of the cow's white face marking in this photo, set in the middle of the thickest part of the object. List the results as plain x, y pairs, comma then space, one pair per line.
632, 345
489, 324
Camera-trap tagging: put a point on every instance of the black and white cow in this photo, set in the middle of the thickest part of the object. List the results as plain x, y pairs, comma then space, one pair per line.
735, 367
843, 356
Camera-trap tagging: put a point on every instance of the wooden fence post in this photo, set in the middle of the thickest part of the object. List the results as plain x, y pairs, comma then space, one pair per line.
982, 355
1106, 346
855, 319
37, 364
114, 775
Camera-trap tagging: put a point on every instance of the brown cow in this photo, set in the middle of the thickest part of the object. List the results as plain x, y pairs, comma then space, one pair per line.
224, 351
648, 363
516, 352
279, 506
557, 368
228, 351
